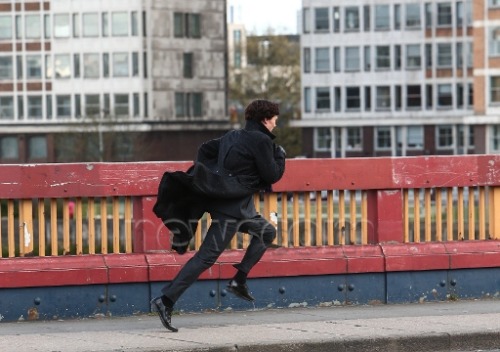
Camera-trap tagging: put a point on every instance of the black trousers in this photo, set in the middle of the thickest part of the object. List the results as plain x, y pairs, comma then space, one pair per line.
217, 239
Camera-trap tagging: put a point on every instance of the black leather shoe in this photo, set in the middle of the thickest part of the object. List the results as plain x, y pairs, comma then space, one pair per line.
240, 290
164, 313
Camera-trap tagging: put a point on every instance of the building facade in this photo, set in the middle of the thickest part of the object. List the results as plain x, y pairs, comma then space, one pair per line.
382, 78
111, 80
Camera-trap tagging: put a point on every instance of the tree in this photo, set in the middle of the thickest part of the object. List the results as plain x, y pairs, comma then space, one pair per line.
273, 72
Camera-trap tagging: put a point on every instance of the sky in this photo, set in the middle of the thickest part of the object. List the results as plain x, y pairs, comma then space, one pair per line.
259, 15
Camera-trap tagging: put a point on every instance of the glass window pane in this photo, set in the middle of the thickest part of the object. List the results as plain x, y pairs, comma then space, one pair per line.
5, 27
322, 60
119, 24
322, 19
34, 66
6, 108
444, 55
134, 18
194, 25
352, 18
63, 106
179, 105
382, 18
383, 59
352, 59
37, 147
92, 105
91, 65
323, 99
90, 24
383, 97
62, 66
120, 65
6, 68
444, 17
178, 25
413, 57
61, 26
33, 26
121, 105
197, 105
9, 148
105, 24
413, 15
35, 107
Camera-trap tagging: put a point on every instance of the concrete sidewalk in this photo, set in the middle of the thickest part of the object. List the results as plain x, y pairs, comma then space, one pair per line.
443, 326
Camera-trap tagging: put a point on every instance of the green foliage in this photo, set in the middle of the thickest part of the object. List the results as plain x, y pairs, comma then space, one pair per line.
273, 72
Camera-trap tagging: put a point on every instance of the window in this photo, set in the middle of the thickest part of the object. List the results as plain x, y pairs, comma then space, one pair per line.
33, 26
61, 26
188, 104
119, 24
322, 60
383, 98
137, 104
37, 147
62, 66
353, 98
6, 27
91, 66
34, 66
444, 55
444, 17
76, 25
48, 66
321, 19
306, 19
187, 25
337, 93
122, 107
465, 131
397, 57
35, 107
382, 18
413, 97
135, 64
9, 148
120, 65
307, 99
351, 18
413, 16
383, 138
366, 18
367, 58
495, 89
468, 50
336, 19
494, 42
6, 108
368, 98
90, 25
188, 65
415, 135
444, 136
397, 16
495, 139
459, 14
92, 105
336, 59
352, 59
428, 56
444, 98
6, 68
413, 57
105, 24
63, 106
383, 59
105, 64
323, 138
493, 3
354, 138
398, 100
459, 55
323, 99
307, 60
460, 95
134, 21
428, 14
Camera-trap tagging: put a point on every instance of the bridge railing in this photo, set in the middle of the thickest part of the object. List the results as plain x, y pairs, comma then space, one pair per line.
61, 209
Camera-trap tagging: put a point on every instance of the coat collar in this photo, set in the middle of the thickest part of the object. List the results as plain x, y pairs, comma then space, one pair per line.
252, 125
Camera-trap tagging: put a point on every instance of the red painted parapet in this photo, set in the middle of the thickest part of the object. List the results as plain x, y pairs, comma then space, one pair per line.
280, 262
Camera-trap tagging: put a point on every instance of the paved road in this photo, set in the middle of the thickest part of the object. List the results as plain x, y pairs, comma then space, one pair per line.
445, 326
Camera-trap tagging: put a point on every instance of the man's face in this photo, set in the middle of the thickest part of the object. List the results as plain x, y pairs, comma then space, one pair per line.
270, 123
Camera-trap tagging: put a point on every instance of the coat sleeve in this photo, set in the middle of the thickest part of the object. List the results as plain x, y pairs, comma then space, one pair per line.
208, 151
270, 161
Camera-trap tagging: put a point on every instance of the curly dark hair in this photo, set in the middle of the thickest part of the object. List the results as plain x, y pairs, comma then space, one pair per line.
260, 109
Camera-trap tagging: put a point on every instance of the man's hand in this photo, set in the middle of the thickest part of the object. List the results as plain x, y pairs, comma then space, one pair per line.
279, 151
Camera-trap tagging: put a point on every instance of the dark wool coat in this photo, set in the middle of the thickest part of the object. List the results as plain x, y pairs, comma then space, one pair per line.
227, 172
